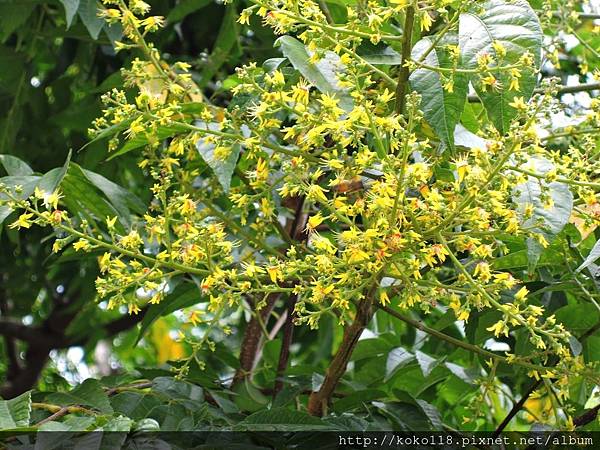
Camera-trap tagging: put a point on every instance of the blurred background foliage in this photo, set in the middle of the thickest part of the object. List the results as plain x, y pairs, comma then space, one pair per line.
56, 59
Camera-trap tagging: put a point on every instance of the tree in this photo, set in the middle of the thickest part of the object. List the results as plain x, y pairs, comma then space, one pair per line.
399, 170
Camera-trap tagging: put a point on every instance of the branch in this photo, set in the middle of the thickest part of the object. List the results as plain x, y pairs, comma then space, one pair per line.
457, 342
587, 87
517, 406
406, 49
319, 400
288, 335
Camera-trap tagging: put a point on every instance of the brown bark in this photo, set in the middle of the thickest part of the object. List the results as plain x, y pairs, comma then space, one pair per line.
319, 400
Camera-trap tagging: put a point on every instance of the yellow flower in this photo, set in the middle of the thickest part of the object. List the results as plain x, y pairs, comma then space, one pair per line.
521, 294
314, 221
384, 299
426, 21
499, 49
110, 222
133, 308
22, 222
518, 103
81, 244
275, 273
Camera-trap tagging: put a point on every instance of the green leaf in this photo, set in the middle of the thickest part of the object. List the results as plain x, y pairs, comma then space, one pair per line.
119, 197
577, 318
281, 419
88, 11
176, 389
71, 7
426, 362
52, 179
14, 14
441, 108
380, 55
321, 74
186, 7
467, 139
15, 413
89, 393
14, 165
223, 169
591, 258
142, 139
357, 399
547, 221
397, 358
223, 49
516, 26
134, 405
183, 295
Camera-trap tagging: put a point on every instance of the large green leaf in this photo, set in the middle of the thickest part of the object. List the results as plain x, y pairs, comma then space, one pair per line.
321, 74
441, 108
88, 393
516, 27
547, 221
591, 258
71, 7
88, 12
15, 413
14, 165
182, 296
281, 419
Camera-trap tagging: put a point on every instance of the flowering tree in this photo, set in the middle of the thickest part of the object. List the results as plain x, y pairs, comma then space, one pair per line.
396, 170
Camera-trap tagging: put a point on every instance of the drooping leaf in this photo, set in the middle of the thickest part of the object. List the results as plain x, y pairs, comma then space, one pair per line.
441, 107
182, 296
15, 413
515, 26
71, 7
222, 168
51, 180
88, 12
591, 258
547, 221
15, 166
122, 199
321, 74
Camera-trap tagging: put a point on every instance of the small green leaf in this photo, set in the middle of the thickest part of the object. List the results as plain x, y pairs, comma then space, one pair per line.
322, 74
15, 413
516, 27
441, 108
71, 7
15, 166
